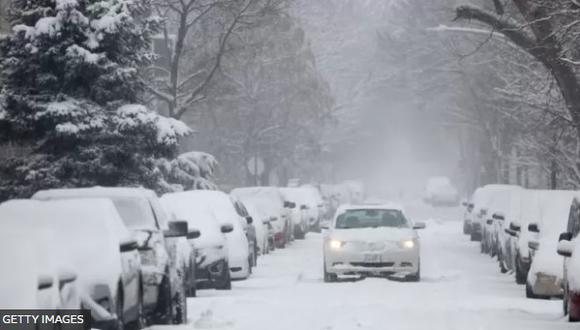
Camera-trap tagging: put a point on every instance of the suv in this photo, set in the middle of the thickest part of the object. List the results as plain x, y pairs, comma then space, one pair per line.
164, 288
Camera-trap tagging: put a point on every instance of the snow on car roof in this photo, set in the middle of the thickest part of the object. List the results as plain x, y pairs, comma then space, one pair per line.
94, 192
198, 214
382, 206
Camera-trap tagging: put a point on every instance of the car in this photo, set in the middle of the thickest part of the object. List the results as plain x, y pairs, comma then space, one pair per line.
439, 191
164, 291
249, 228
502, 207
222, 206
261, 222
39, 276
480, 199
272, 203
301, 214
569, 249
211, 248
317, 207
545, 276
98, 246
376, 240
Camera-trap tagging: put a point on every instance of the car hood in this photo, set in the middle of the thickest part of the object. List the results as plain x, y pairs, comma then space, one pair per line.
373, 234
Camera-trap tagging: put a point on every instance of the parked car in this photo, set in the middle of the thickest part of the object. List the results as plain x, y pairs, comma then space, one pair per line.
272, 203
211, 248
221, 205
546, 271
530, 212
439, 191
301, 214
261, 223
318, 207
480, 200
569, 248
40, 276
375, 240
501, 208
99, 248
249, 229
164, 289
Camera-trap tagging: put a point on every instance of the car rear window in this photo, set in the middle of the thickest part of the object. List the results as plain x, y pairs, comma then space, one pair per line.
136, 212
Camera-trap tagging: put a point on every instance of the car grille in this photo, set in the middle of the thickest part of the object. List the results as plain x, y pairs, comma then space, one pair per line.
373, 264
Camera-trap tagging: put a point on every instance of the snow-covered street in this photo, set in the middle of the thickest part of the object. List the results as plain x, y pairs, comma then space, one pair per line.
460, 289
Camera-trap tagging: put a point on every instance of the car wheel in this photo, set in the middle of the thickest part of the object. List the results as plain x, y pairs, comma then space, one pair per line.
227, 282
180, 304
329, 277
119, 323
163, 312
520, 276
141, 321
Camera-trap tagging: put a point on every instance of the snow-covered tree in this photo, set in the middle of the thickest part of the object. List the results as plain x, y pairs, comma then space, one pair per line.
71, 87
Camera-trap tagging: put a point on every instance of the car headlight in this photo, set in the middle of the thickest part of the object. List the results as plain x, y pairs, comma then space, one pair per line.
408, 244
335, 244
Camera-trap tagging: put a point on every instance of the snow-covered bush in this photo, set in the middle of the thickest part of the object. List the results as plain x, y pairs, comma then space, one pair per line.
189, 171
71, 87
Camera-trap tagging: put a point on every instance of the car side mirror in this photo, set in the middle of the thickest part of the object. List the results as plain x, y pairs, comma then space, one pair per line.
45, 282
193, 234
498, 216
489, 221
565, 237
289, 205
249, 220
419, 225
66, 278
515, 227
534, 245
176, 229
227, 228
510, 232
128, 245
533, 228
565, 248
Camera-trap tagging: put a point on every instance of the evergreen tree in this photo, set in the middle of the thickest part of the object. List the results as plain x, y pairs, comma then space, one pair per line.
70, 94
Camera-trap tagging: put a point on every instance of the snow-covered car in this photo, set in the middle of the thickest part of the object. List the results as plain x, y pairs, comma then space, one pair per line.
211, 248
40, 277
546, 270
271, 202
372, 240
317, 207
301, 213
221, 205
261, 222
569, 248
249, 228
439, 191
99, 248
480, 199
164, 288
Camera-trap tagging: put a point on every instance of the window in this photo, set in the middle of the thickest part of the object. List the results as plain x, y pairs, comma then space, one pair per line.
371, 218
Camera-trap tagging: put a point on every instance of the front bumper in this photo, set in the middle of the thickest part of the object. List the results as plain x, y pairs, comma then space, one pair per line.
373, 263
212, 275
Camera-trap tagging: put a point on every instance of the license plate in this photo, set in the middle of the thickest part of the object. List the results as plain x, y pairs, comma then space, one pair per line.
372, 258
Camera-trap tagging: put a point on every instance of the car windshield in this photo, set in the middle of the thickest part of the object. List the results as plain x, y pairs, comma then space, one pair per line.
371, 218
136, 212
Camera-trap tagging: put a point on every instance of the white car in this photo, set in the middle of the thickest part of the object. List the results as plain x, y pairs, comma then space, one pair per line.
211, 250
260, 221
546, 273
373, 240
301, 213
221, 205
439, 191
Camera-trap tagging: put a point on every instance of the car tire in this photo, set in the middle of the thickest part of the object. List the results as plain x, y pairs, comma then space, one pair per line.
119, 323
179, 304
520, 276
141, 321
163, 311
227, 283
329, 277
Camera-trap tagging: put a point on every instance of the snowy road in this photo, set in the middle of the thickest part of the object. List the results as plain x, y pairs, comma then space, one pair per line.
461, 289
